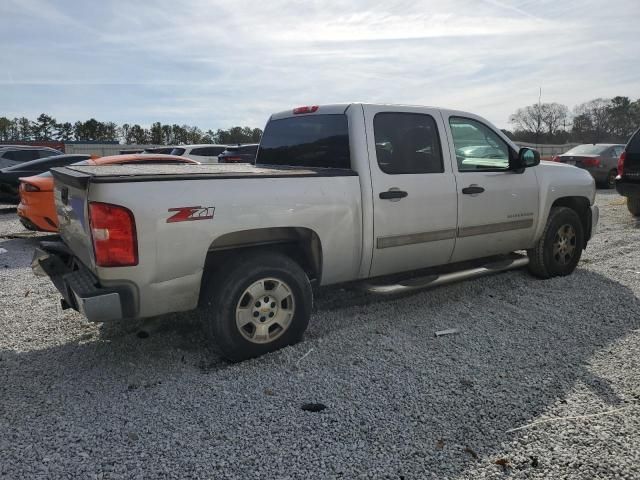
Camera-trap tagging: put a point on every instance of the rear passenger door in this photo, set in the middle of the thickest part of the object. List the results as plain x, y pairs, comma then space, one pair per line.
414, 190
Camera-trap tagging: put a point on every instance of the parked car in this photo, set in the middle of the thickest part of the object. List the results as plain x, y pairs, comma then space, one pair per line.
239, 154
203, 153
11, 155
9, 176
599, 159
37, 209
323, 205
165, 150
628, 179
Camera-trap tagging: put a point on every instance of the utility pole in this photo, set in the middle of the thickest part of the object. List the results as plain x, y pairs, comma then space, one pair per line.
539, 117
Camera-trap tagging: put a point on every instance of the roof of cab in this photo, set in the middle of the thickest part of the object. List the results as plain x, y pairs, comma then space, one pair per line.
332, 109
341, 108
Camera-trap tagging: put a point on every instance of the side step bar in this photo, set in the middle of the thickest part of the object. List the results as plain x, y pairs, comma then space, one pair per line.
430, 281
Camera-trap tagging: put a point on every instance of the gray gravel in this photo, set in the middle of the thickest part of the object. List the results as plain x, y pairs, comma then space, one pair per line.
82, 401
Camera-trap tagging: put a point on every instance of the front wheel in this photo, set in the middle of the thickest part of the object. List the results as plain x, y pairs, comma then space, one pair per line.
558, 251
633, 204
257, 304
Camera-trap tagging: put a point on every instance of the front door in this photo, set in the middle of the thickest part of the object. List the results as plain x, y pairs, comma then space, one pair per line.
414, 190
497, 207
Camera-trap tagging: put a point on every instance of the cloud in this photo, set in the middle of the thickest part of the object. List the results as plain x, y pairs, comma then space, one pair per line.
218, 63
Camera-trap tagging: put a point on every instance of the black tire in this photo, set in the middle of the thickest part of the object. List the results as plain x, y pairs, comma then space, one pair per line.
611, 179
543, 262
633, 204
223, 292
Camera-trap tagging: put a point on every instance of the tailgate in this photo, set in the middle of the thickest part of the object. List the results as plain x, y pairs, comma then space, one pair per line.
70, 194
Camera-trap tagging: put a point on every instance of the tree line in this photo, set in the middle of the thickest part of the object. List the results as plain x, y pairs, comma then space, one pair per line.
46, 128
600, 120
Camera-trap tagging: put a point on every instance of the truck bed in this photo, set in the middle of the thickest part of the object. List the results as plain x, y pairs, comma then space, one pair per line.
79, 175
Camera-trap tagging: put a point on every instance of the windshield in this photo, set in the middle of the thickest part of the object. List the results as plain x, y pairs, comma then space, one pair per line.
586, 150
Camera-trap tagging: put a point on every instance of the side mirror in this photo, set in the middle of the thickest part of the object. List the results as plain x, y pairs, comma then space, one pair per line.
527, 157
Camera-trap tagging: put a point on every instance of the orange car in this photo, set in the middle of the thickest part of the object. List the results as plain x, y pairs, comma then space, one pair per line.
37, 210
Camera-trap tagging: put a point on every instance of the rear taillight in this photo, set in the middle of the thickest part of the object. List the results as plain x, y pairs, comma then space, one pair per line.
623, 157
113, 231
300, 110
591, 162
28, 187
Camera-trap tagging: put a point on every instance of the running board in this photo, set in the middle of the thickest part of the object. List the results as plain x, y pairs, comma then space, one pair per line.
436, 280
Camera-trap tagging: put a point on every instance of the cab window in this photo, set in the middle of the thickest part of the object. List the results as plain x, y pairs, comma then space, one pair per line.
407, 143
306, 141
478, 147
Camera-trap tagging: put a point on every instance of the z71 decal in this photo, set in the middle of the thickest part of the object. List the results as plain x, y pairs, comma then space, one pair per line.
188, 214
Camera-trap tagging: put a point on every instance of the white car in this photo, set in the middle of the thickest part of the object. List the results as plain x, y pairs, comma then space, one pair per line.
205, 153
339, 193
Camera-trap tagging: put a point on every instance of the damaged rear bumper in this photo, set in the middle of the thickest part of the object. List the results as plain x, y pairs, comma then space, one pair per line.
79, 287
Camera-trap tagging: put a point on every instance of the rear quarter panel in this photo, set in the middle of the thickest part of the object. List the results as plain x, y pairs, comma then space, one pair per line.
172, 255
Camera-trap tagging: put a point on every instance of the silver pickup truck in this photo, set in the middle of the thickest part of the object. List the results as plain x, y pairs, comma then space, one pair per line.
339, 193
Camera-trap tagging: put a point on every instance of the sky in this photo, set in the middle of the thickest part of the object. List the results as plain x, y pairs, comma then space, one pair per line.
219, 63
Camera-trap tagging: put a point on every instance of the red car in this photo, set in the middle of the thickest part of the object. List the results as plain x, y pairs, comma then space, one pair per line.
37, 210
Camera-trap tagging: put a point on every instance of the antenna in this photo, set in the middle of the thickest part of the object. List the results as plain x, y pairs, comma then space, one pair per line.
539, 117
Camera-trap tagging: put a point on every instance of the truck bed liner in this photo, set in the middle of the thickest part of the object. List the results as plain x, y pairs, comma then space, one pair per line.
80, 175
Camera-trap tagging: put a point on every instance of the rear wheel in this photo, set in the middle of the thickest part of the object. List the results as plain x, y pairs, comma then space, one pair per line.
633, 204
256, 304
611, 179
559, 249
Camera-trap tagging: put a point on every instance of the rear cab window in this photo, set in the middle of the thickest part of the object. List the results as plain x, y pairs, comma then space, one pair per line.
306, 141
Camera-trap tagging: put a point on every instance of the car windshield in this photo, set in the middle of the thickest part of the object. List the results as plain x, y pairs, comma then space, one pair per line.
586, 150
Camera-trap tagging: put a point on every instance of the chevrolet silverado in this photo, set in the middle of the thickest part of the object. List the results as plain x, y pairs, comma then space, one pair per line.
339, 193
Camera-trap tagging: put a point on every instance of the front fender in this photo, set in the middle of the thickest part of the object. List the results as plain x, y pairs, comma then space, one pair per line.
562, 184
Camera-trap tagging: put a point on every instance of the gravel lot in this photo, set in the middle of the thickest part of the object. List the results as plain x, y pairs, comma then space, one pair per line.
82, 401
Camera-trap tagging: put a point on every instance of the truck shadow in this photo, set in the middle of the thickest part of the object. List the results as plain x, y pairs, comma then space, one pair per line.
524, 345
